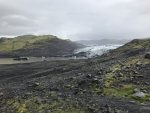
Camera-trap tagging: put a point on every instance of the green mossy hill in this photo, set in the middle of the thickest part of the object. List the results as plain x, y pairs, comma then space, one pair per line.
135, 47
126, 72
31, 45
11, 44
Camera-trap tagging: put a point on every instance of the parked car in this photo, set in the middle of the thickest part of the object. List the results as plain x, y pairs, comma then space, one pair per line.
21, 58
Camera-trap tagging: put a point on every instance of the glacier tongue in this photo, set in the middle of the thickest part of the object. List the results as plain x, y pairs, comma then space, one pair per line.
92, 51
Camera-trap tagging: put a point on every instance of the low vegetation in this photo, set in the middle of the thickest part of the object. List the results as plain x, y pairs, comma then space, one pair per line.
116, 82
122, 79
12, 44
50, 103
37, 46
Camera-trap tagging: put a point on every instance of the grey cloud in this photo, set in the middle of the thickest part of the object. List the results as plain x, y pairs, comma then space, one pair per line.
76, 19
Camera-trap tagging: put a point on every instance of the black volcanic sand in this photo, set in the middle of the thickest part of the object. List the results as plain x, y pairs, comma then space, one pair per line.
60, 87
106, 84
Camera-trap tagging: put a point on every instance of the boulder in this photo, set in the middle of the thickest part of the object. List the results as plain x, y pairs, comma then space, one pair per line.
89, 76
33, 85
147, 55
80, 54
139, 94
136, 90
1, 93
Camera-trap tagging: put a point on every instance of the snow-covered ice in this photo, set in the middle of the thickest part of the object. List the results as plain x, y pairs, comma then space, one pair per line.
96, 50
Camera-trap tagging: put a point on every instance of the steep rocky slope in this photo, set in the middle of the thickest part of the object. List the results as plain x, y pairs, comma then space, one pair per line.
37, 46
116, 82
127, 75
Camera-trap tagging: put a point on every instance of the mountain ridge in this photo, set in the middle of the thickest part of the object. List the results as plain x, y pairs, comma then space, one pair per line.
102, 42
36, 46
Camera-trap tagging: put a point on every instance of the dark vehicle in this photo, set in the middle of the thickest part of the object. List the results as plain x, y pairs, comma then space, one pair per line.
21, 58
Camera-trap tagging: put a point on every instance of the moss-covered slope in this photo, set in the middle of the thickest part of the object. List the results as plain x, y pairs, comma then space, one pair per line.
126, 71
133, 48
31, 45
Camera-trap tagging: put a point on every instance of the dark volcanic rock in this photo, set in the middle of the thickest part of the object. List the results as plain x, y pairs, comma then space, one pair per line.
147, 56
80, 54
114, 83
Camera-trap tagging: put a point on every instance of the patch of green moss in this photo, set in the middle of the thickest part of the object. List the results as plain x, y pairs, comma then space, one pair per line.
135, 44
136, 60
124, 91
51, 103
110, 76
27, 41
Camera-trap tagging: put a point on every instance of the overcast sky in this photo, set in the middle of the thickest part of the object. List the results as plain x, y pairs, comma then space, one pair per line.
76, 19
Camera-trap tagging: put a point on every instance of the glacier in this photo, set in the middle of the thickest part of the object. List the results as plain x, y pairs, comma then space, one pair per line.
92, 51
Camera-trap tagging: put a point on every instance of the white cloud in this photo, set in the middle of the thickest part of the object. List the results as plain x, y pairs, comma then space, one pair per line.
76, 19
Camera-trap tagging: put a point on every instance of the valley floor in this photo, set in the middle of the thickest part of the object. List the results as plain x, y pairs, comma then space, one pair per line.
72, 86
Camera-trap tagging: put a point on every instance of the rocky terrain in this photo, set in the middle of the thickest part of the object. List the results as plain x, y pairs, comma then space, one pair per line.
116, 82
36, 46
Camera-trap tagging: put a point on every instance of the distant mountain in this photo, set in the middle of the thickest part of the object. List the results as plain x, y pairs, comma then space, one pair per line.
102, 42
36, 46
